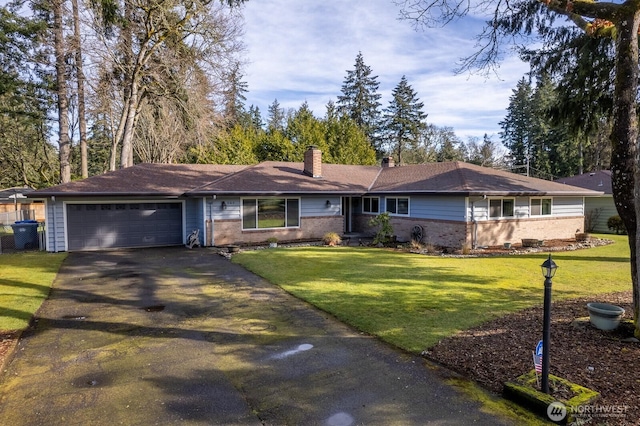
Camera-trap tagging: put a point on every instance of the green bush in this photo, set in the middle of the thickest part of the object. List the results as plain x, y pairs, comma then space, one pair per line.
615, 224
385, 230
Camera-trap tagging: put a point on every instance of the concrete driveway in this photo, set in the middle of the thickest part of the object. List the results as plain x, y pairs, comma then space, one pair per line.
177, 336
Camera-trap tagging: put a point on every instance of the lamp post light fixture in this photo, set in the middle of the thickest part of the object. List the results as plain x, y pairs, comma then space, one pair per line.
548, 271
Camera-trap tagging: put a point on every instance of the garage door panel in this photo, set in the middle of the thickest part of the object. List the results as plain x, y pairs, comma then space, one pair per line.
118, 225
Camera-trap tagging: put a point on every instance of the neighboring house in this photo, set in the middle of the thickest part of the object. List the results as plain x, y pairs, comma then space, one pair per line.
160, 204
598, 209
14, 206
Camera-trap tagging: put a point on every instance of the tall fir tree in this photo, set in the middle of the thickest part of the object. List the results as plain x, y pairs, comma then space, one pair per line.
516, 126
276, 117
360, 101
404, 120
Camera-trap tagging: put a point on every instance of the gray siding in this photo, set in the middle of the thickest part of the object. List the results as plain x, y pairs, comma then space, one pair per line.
437, 207
567, 206
561, 207
229, 211
193, 216
56, 222
317, 206
602, 208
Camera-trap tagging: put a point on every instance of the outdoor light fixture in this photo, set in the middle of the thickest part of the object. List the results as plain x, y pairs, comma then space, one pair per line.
328, 204
223, 206
548, 271
549, 268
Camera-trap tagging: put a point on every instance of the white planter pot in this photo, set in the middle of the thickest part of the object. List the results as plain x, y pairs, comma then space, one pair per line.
604, 316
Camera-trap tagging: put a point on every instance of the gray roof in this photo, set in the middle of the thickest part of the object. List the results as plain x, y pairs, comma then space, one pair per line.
271, 178
465, 178
10, 194
595, 181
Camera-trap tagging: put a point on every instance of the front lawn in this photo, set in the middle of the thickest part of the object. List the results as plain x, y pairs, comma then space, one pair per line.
413, 301
25, 280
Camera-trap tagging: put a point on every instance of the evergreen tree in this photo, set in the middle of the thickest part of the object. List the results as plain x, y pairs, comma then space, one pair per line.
303, 130
276, 117
234, 96
346, 141
360, 100
516, 127
404, 120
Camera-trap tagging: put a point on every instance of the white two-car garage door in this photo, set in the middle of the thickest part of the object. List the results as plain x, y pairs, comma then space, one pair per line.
122, 225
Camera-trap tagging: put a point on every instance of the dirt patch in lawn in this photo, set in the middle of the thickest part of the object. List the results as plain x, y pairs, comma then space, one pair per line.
501, 350
8, 340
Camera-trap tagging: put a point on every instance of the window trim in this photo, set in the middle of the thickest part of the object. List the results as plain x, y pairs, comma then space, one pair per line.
502, 200
387, 199
541, 199
370, 199
286, 213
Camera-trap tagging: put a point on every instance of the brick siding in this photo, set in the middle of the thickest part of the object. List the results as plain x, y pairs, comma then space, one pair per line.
489, 233
312, 228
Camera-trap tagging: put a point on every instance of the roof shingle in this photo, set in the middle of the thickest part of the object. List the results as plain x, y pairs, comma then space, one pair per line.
272, 178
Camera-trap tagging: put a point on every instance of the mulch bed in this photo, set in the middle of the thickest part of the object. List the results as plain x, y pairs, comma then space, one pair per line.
501, 350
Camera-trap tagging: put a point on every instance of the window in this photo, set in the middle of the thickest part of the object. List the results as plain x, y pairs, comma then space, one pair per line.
501, 208
540, 206
398, 205
265, 213
371, 204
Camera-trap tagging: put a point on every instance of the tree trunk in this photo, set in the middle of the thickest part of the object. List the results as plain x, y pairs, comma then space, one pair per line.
127, 134
82, 121
624, 174
61, 89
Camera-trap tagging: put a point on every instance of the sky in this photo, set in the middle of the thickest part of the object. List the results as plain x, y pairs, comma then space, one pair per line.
301, 50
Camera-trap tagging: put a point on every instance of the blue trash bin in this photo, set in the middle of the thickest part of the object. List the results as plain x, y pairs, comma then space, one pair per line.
25, 234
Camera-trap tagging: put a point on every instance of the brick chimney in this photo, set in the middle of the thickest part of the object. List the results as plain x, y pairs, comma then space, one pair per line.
313, 162
388, 162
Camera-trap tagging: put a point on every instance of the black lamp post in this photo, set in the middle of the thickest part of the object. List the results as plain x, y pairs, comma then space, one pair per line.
548, 270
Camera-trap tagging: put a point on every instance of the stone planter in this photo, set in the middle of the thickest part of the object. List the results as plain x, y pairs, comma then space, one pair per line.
273, 245
507, 245
233, 248
583, 237
524, 391
531, 242
604, 316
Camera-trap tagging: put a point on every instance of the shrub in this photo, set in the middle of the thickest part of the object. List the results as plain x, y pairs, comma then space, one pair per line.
615, 224
591, 219
385, 230
466, 248
331, 239
415, 245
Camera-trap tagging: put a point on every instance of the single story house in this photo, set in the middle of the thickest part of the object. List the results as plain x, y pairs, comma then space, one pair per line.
599, 208
455, 203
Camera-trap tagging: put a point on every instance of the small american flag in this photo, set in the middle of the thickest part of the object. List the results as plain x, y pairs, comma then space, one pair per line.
537, 362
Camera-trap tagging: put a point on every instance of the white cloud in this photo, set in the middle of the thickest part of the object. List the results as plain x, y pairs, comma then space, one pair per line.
300, 51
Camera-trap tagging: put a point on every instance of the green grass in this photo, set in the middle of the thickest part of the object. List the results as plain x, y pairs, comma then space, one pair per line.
25, 280
413, 301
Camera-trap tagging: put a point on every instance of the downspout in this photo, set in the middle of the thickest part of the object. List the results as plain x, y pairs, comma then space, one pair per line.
474, 222
212, 238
